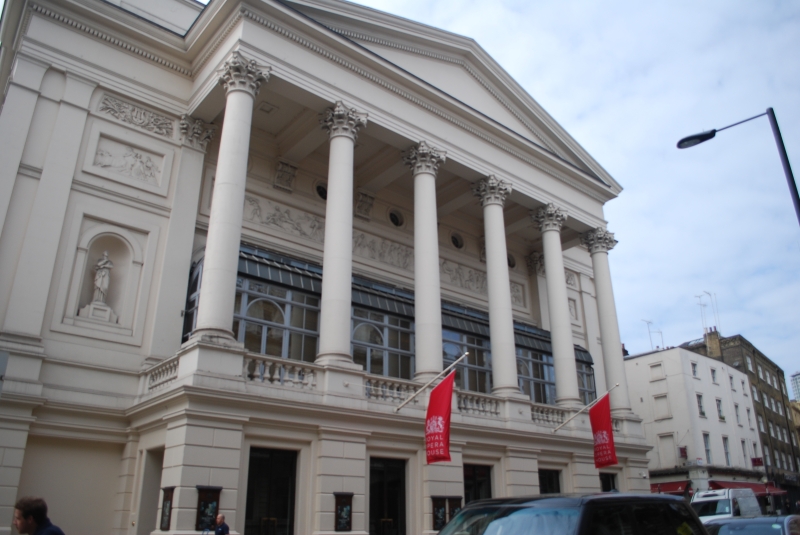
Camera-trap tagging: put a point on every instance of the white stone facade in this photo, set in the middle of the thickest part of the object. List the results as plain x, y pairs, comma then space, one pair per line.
299, 167
682, 398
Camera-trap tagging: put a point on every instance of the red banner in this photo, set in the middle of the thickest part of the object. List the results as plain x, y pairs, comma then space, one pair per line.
437, 421
600, 415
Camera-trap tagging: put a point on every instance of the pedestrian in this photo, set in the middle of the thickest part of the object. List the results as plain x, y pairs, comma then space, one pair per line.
222, 527
30, 518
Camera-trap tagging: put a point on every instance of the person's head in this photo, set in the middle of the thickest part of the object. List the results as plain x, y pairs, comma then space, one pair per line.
220, 519
29, 513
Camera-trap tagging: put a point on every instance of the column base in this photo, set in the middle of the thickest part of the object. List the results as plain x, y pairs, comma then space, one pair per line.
424, 377
509, 392
337, 360
569, 403
217, 337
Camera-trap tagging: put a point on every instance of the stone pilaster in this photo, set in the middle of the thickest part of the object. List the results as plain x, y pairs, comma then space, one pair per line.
424, 161
342, 124
492, 193
550, 219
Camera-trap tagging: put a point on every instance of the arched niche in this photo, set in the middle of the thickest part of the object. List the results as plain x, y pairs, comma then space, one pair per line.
125, 252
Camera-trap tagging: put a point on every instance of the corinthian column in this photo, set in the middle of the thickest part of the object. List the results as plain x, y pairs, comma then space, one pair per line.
342, 125
599, 242
241, 79
550, 219
424, 162
493, 193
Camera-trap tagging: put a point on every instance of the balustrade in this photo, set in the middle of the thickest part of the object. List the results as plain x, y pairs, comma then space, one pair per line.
162, 374
283, 372
384, 389
547, 415
480, 404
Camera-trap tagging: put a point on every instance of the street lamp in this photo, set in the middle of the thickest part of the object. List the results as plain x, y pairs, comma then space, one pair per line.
696, 139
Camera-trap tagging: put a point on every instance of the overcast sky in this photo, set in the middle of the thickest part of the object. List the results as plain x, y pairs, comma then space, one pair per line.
627, 79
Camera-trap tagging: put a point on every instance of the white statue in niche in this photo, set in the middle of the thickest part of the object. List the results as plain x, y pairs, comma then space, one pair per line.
98, 310
102, 274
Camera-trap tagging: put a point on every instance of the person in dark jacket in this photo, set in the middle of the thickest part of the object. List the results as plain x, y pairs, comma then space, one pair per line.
222, 527
30, 518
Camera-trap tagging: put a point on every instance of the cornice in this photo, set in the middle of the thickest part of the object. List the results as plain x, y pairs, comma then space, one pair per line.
119, 43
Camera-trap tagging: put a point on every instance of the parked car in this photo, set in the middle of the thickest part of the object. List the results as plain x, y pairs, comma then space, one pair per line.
762, 525
725, 503
595, 514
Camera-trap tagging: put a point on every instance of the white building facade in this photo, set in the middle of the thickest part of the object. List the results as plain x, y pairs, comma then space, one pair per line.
698, 415
235, 238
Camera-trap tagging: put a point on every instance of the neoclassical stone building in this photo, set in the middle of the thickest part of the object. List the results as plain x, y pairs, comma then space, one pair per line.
236, 237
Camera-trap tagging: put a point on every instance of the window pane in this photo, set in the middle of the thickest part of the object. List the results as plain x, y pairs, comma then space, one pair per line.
360, 356
368, 333
237, 303
405, 341
376, 362
405, 367
359, 313
278, 292
275, 342
312, 320
265, 310
252, 337
394, 365
297, 316
295, 346
309, 348
394, 339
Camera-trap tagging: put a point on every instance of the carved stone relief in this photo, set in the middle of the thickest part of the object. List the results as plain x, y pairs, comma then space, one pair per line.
128, 161
284, 177
475, 281
136, 116
364, 205
98, 310
286, 219
573, 309
571, 279
385, 251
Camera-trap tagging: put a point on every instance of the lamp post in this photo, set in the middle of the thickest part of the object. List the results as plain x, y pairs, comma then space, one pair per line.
696, 139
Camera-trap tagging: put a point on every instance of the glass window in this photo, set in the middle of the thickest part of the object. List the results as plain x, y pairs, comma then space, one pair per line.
749, 421
475, 372
726, 450
382, 343
719, 410
744, 453
694, 369
730, 379
707, 445
536, 376
700, 405
749, 363
761, 423
549, 481
585, 382
736, 412
755, 393
760, 372
713, 375
743, 389
276, 321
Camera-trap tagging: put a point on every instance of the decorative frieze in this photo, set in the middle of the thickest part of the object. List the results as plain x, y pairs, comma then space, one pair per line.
295, 222
571, 279
423, 158
137, 116
598, 240
475, 281
384, 251
364, 205
127, 161
284, 177
342, 121
196, 133
491, 190
549, 217
242, 74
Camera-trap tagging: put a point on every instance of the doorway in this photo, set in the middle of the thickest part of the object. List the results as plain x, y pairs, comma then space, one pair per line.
270, 492
387, 496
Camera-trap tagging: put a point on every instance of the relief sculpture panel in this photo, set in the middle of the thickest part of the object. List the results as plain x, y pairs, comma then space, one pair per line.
385, 251
475, 281
128, 161
295, 222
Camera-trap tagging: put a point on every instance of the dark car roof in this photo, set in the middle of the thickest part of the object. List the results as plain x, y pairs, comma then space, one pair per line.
571, 500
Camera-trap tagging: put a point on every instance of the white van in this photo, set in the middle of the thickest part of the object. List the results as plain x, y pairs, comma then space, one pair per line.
725, 503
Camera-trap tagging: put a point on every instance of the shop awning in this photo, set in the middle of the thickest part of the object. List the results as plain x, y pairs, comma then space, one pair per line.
760, 489
670, 487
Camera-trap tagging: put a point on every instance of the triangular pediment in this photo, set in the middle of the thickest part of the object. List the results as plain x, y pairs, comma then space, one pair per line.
456, 66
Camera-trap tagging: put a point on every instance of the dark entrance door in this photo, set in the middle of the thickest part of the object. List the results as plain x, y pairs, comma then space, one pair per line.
270, 492
387, 496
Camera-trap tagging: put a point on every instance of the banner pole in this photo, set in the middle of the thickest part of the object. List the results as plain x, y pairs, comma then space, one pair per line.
586, 408
429, 383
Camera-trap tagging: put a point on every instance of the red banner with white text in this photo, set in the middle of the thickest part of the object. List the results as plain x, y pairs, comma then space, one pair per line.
437, 421
600, 415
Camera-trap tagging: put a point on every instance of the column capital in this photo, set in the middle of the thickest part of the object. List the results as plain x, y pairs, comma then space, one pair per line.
549, 217
491, 190
598, 240
196, 133
342, 121
242, 74
423, 158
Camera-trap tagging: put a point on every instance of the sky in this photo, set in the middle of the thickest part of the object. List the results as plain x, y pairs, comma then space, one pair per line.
628, 79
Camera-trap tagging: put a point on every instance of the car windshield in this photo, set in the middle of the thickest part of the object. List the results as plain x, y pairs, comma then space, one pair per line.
712, 507
740, 527
495, 520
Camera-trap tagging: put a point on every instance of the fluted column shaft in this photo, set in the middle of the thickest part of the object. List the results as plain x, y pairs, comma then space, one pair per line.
550, 219
493, 193
599, 242
424, 162
242, 79
342, 125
